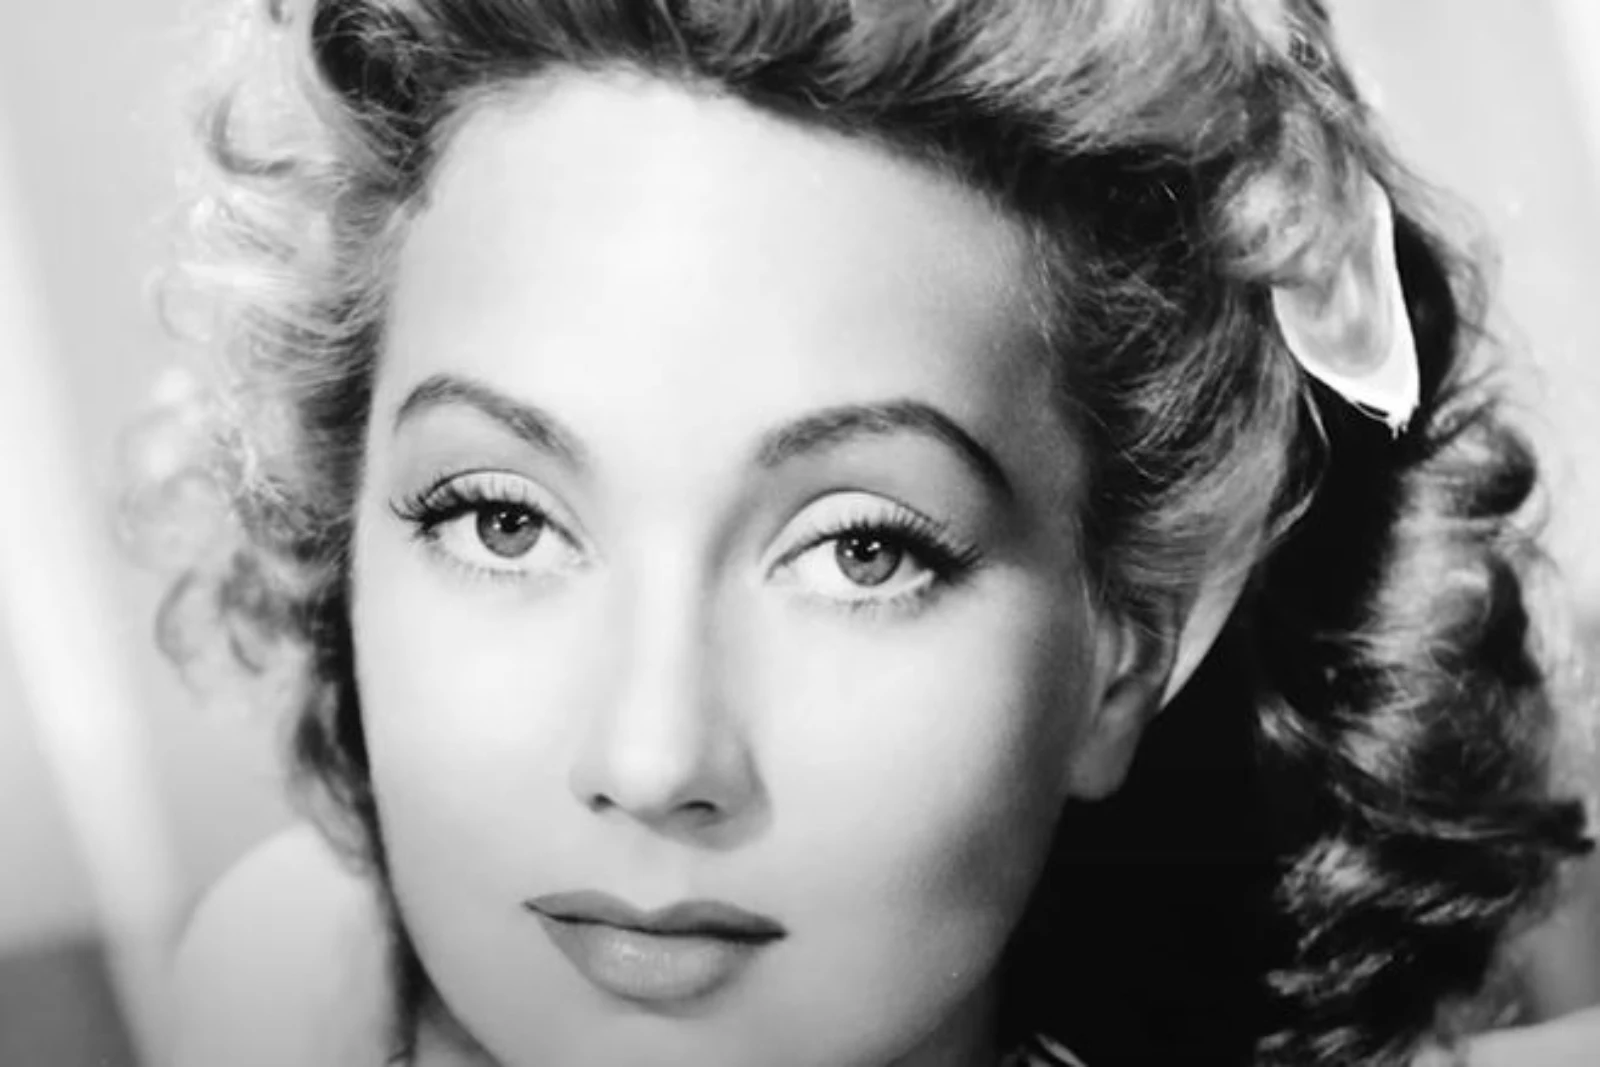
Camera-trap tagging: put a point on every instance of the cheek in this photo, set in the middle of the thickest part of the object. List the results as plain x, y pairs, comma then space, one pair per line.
924, 771
461, 699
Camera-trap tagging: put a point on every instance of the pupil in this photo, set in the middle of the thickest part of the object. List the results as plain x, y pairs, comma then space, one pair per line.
508, 531
866, 561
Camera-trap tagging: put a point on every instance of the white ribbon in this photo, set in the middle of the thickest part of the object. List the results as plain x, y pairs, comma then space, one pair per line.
1350, 331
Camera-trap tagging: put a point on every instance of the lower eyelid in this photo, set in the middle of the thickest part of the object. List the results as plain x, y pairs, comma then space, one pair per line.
509, 575
910, 602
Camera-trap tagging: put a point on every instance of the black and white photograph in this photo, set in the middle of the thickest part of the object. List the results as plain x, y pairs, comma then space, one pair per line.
800, 533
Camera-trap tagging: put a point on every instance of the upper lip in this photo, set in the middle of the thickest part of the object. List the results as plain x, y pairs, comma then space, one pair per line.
704, 918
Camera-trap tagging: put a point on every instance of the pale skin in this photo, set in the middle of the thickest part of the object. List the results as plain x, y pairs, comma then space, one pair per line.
708, 342
672, 355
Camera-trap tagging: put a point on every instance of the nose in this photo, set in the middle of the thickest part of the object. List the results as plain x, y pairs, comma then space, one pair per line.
666, 748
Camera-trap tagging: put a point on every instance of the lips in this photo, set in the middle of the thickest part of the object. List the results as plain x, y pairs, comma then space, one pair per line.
702, 918
670, 956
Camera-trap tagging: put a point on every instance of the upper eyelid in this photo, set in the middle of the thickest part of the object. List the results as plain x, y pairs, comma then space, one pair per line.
873, 511
469, 484
835, 531
928, 541
473, 483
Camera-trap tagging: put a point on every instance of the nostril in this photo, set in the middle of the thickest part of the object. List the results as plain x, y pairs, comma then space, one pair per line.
698, 810
702, 809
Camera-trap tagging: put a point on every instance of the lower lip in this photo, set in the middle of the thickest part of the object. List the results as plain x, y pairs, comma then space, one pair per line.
650, 968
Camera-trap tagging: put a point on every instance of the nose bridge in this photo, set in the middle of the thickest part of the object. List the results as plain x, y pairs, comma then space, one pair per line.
665, 744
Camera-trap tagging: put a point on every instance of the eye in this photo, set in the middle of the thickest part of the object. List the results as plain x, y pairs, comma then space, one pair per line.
501, 536
491, 524
508, 530
867, 559
878, 555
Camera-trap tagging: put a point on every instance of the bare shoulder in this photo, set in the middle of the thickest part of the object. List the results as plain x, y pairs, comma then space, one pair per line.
283, 962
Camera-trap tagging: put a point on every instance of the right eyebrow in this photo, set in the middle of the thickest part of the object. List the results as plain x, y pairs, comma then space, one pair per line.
527, 421
832, 427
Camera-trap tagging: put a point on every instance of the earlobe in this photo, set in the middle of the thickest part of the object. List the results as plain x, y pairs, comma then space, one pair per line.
1132, 667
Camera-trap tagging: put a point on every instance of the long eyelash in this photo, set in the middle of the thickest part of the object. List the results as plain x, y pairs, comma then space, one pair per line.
931, 543
450, 498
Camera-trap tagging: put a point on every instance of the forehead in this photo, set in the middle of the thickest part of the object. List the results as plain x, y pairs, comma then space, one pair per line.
597, 240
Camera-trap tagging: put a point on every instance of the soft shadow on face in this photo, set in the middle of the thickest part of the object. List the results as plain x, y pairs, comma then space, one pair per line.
715, 545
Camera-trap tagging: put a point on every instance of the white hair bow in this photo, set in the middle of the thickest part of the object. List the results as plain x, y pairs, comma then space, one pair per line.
1349, 330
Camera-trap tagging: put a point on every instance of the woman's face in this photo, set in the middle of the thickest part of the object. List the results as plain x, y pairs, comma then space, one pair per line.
715, 545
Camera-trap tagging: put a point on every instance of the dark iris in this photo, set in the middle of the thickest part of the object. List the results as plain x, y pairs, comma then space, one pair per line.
508, 530
867, 560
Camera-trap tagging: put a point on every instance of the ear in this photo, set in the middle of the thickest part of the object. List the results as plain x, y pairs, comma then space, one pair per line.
1131, 670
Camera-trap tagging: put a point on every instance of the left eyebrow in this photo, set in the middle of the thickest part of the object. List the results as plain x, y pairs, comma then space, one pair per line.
834, 427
